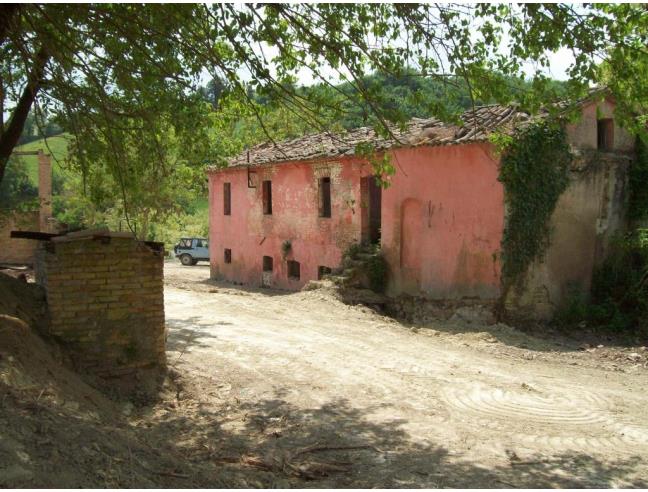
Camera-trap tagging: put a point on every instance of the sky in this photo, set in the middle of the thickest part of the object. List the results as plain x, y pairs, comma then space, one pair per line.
559, 64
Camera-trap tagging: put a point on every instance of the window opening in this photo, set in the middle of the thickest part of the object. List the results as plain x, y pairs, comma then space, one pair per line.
227, 199
267, 197
293, 270
324, 191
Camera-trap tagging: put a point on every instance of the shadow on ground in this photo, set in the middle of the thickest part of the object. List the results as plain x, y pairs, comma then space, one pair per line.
189, 332
270, 443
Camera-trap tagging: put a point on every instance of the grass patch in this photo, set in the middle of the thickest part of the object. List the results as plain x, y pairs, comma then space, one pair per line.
58, 148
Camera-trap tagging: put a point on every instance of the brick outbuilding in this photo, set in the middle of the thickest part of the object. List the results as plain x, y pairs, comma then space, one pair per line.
105, 296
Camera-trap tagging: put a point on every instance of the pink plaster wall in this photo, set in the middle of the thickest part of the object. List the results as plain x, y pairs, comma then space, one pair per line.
583, 133
442, 222
250, 234
446, 201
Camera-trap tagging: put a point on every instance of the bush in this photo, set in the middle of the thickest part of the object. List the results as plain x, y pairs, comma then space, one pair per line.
377, 273
619, 294
352, 251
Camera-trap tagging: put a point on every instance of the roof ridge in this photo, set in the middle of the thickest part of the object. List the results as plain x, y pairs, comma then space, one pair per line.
477, 123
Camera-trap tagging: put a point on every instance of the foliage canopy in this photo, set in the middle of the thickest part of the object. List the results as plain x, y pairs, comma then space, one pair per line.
123, 79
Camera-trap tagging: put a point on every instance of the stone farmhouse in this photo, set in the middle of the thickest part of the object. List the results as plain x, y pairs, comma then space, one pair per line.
282, 215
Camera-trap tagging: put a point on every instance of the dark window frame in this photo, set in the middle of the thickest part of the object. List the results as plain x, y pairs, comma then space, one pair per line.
227, 256
323, 270
227, 198
293, 268
267, 196
324, 197
268, 264
605, 134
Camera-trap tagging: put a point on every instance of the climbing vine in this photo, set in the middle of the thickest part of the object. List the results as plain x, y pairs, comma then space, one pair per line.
381, 163
638, 183
535, 172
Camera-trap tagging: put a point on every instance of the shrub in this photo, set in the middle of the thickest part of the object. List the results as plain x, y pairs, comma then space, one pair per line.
286, 248
619, 294
352, 251
377, 273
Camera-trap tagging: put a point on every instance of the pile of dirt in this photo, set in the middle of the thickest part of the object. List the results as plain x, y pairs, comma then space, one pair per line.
23, 300
58, 431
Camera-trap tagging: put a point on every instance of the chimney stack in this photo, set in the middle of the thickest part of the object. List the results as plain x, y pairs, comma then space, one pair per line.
45, 191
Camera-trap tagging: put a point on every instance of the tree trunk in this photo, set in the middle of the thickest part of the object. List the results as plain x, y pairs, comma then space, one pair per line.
14, 129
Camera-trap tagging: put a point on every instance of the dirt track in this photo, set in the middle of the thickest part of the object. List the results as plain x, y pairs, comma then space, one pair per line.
271, 381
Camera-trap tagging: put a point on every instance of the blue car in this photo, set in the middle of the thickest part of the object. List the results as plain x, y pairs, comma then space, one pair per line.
191, 250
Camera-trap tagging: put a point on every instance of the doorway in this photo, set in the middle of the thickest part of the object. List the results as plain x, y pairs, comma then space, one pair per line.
371, 193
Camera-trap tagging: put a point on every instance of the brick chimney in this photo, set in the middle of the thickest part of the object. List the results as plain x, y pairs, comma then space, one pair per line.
45, 191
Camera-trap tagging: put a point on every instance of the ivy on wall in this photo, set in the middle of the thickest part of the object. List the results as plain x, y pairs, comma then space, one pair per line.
535, 172
638, 183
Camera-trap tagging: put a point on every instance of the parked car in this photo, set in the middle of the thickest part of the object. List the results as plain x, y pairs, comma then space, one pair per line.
191, 250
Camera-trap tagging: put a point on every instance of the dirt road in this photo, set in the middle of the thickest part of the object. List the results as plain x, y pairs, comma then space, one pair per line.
312, 392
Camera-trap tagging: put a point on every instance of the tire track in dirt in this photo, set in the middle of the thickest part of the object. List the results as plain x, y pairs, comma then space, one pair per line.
311, 351
571, 419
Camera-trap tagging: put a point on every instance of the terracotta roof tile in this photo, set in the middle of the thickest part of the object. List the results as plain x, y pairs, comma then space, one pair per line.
478, 125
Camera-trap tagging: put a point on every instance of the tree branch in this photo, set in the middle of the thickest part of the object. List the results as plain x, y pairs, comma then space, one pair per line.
14, 129
7, 13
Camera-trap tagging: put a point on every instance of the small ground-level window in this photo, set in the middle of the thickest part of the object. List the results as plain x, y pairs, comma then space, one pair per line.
267, 197
228, 255
323, 270
324, 191
267, 263
605, 134
227, 199
293, 269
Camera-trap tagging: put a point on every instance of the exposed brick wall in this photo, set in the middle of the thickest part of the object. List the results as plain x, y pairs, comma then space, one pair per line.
17, 251
106, 302
45, 192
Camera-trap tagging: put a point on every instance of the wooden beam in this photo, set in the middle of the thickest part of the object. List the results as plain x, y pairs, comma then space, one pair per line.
27, 152
37, 236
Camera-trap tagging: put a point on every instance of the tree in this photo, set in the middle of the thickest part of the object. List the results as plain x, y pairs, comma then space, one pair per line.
213, 91
120, 77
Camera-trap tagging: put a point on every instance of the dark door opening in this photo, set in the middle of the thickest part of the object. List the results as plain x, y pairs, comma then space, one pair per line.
371, 210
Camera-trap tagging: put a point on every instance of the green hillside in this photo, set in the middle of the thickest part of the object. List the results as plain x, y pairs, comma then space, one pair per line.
56, 146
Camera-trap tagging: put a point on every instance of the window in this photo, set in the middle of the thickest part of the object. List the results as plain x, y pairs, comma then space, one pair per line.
185, 243
228, 255
199, 243
605, 134
324, 191
323, 270
293, 269
267, 263
267, 197
227, 199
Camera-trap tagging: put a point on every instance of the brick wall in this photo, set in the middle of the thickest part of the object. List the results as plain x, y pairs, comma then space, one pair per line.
106, 302
45, 192
17, 251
